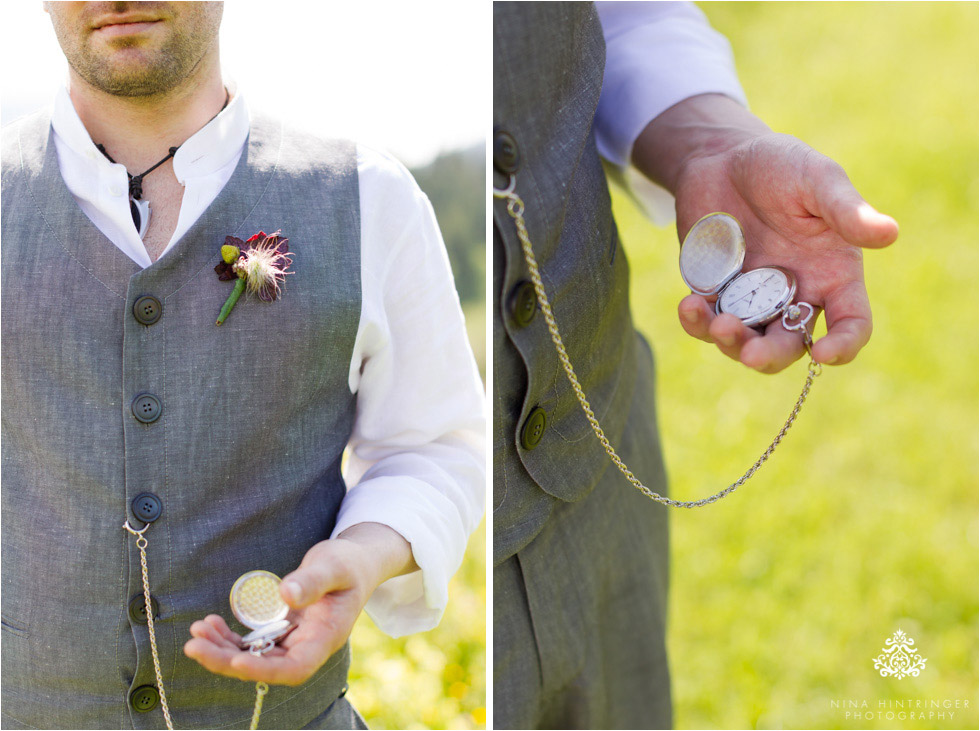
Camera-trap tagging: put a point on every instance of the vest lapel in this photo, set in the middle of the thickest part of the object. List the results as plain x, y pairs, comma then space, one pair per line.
66, 223
198, 250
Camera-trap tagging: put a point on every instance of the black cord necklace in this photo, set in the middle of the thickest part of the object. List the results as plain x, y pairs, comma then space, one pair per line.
136, 181
139, 208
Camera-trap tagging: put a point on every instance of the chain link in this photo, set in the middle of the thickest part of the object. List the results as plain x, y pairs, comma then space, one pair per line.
261, 688
515, 207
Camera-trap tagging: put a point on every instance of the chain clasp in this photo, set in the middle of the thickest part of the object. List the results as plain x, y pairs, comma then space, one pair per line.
508, 191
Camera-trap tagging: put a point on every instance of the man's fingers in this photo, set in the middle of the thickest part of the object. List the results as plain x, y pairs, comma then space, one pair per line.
276, 666
730, 335
848, 314
831, 196
778, 349
696, 315
205, 631
215, 658
767, 353
279, 666
770, 352
843, 344
292, 665
277, 669
219, 634
219, 624
726, 331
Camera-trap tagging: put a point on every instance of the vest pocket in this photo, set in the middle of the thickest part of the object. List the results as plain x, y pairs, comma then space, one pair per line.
17, 629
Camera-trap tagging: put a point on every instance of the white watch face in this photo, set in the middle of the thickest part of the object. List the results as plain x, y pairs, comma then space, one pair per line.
757, 296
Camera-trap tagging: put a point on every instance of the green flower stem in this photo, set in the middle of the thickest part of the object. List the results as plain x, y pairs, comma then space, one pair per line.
232, 299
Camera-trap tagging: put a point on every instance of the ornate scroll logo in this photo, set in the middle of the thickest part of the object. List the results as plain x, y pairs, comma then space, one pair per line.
899, 658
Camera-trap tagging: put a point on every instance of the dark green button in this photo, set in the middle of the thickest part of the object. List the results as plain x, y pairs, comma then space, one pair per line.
147, 310
144, 698
137, 608
146, 408
506, 157
533, 428
523, 304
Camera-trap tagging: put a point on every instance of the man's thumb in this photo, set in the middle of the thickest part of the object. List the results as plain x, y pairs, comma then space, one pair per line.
319, 574
837, 201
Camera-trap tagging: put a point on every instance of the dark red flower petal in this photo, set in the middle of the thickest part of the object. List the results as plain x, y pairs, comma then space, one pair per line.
234, 241
224, 272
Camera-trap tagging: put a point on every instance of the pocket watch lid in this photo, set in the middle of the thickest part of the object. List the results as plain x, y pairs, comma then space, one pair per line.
255, 599
712, 253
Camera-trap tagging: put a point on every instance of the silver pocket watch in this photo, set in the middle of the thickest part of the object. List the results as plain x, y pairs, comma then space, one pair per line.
257, 604
711, 262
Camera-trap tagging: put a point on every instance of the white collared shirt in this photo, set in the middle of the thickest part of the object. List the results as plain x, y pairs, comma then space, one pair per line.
417, 451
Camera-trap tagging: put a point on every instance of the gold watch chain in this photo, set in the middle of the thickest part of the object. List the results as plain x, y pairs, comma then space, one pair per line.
515, 208
261, 688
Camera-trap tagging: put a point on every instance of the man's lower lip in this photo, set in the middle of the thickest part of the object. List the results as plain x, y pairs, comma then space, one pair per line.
122, 29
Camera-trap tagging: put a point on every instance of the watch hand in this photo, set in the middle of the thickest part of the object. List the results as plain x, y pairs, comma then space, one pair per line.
754, 291
743, 296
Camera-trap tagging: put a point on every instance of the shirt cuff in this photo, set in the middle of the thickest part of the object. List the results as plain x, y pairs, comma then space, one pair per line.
668, 53
413, 602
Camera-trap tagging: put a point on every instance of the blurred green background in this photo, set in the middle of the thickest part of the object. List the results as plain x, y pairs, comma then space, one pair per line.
437, 679
433, 679
865, 519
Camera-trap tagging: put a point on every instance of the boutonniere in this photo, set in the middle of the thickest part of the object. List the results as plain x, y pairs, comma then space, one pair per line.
258, 265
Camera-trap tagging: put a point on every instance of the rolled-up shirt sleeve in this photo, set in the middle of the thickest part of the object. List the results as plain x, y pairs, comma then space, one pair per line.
416, 459
657, 54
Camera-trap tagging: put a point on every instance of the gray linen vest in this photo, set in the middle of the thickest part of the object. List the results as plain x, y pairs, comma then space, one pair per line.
580, 556
244, 457
549, 59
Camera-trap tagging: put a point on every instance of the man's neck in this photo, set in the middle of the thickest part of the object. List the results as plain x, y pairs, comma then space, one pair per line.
138, 131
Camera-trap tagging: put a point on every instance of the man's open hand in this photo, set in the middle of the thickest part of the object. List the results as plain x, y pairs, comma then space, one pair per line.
326, 593
798, 210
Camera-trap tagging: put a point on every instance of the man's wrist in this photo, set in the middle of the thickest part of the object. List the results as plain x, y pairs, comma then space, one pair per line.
697, 127
389, 554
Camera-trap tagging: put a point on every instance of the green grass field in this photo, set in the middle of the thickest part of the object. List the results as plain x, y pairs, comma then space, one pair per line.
865, 519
